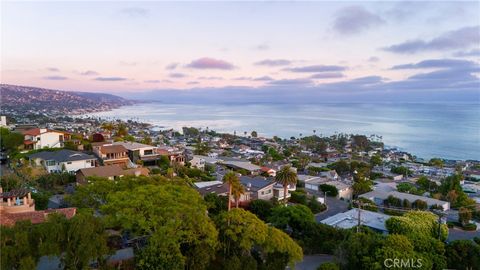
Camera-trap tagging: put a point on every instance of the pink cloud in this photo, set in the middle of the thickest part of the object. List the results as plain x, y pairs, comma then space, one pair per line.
210, 63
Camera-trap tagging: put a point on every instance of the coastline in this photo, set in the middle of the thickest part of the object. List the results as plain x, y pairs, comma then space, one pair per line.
227, 119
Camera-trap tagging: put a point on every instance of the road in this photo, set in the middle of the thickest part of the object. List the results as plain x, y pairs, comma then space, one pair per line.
334, 206
311, 262
458, 234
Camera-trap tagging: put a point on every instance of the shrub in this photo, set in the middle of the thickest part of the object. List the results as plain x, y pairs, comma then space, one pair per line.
332, 190
328, 266
298, 197
156, 171
470, 227
315, 206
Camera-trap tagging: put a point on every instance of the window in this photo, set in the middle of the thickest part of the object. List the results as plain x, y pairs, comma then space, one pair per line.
148, 152
50, 163
92, 163
69, 162
263, 192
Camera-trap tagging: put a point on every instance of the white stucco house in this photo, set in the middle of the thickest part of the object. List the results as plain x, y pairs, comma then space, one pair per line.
39, 138
63, 160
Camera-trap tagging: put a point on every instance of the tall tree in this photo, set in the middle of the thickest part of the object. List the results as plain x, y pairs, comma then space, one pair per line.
231, 178
237, 192
286, 176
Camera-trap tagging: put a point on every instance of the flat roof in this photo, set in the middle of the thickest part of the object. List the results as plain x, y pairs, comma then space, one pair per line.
242, 165
349, 219
204, 184
133, 145
411, 197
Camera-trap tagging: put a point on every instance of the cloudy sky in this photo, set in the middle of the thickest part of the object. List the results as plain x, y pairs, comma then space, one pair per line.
327, 47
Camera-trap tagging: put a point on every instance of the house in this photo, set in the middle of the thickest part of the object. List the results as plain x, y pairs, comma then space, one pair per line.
347, 220
197, 162
139, 151
268, 171
330, 175
110, 172
207, 187
174, 155
38, 138
63, 160
345, 190
17, 205
379, 196
242, 165
314, 183
257, 188
3, 121
112, 154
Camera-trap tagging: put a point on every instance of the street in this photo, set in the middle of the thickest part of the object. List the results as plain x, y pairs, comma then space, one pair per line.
311, 262
334, 206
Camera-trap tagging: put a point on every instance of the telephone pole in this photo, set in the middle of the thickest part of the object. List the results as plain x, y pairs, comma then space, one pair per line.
359, 216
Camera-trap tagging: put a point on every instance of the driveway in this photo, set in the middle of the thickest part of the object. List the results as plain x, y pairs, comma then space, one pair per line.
334, 206
311, 262
458, 234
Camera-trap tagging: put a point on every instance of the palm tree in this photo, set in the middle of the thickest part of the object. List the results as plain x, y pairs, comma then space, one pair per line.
237, 191
122, 130
108, 126
285, 177
232, 180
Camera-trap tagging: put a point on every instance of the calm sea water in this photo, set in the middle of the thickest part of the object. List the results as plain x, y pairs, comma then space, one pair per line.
425, 130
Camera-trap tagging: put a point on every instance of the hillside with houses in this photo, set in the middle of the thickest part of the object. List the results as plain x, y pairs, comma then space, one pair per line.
24, 100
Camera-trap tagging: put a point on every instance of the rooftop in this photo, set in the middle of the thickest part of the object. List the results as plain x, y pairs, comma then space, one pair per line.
207, 183
9, 219
38, 131
15, 193
242, 165
133, 145
103, 171
255, 183
384, 195
349, 219
63, 155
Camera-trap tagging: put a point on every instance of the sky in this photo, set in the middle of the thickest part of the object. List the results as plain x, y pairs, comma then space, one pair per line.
414, 49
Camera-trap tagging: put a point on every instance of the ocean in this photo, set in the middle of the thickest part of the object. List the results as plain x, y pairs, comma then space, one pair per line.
449, 131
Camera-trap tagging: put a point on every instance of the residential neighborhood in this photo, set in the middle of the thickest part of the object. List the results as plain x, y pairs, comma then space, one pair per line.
340, 184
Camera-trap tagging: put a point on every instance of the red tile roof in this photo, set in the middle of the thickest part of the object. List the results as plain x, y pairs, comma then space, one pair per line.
9, 219
27, 142
36, 131
265, 169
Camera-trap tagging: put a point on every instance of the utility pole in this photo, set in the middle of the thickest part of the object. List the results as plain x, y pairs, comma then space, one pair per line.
440, 214
359, 216
325, 198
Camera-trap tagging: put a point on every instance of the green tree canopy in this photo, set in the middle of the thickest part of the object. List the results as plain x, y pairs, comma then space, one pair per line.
10, 140
294, 217
240, 231
168, 210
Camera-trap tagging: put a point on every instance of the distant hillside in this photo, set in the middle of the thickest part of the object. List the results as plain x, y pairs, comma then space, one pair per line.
19, 99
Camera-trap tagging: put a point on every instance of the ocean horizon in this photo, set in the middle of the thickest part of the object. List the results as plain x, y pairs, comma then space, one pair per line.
426, 130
